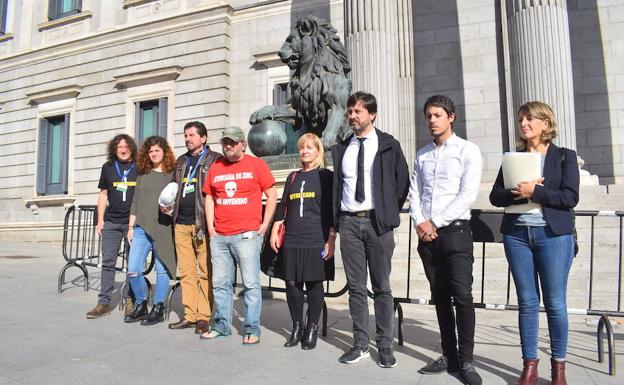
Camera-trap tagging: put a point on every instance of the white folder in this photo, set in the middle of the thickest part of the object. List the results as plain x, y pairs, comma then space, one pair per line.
521, 167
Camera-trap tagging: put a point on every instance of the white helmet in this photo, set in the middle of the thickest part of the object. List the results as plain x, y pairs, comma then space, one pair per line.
168, 195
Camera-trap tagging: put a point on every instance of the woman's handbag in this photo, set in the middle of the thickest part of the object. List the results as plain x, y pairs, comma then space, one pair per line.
270, 261
281, 232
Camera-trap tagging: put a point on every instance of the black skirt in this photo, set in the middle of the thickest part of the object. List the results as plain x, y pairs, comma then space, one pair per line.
301, 265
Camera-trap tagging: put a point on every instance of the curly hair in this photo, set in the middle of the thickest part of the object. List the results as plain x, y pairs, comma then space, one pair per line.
144, 163
112, 147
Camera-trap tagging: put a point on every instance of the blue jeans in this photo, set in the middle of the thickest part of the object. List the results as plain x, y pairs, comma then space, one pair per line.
537, 253
227, 251
142, 244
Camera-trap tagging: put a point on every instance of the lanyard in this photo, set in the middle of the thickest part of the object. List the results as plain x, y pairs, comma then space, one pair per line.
192, 170
124, 177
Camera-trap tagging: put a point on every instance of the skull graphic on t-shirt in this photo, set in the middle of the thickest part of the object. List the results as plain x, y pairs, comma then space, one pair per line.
230, 189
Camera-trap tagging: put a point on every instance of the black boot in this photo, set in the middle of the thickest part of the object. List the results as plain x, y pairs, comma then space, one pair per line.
155, 316
295, 335
138, 313
308, 341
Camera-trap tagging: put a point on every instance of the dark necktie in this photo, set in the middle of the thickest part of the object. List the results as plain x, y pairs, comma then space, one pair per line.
359, 185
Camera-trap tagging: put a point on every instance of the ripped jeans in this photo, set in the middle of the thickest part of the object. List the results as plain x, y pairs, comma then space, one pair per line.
142, 244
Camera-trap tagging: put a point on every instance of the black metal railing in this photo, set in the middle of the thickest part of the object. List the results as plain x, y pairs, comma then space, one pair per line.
82, 249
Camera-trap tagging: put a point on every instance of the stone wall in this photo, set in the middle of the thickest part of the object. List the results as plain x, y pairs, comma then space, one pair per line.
597, 42
197, 44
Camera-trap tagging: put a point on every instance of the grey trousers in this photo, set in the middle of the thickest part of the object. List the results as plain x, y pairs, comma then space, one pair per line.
360, 247
112, 235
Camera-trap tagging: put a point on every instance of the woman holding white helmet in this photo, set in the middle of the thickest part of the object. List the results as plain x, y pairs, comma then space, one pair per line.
150, 230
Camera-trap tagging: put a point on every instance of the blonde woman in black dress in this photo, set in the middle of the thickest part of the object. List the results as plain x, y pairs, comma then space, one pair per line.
309, 242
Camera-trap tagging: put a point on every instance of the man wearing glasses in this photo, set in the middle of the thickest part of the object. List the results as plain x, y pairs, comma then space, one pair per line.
236, 226
190, 229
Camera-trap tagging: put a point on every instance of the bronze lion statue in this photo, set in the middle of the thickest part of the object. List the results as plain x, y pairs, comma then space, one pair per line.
318, 88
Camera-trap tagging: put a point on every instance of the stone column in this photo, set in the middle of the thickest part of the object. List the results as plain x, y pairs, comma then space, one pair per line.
541, 62
372, 45
407, 115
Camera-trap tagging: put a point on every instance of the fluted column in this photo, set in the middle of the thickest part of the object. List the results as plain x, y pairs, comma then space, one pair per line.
372, 45
541, 62
406, 134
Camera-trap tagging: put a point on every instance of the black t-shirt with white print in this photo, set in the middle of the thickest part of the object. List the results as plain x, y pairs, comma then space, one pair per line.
309, 213
118, 209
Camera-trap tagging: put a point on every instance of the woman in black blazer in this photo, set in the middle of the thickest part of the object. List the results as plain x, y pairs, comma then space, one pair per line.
540, 246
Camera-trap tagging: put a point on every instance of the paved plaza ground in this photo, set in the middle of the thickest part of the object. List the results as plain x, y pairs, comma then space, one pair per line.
46, 339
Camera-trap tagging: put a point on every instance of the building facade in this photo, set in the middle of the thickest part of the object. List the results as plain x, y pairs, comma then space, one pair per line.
74, 73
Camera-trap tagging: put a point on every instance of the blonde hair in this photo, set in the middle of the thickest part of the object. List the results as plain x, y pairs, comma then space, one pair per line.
320, 158
540, 111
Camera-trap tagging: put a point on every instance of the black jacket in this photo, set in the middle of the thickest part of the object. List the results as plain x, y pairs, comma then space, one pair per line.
390, 179
178, 175
558, 195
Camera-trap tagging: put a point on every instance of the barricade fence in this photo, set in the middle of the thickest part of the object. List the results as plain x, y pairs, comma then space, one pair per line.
82, 245
594, 288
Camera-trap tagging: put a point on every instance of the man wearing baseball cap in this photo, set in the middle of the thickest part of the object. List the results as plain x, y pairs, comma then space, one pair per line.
236, 226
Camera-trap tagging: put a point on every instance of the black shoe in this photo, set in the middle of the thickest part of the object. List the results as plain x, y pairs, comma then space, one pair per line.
440, 365
469, 374
354, 355
138, 313
295, 335
308, 342
386, 358
155, 316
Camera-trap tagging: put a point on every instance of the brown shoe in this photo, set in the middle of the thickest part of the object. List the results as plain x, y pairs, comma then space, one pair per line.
529, 373
100, 310
128, 306
557, 371
182, 324
202, 326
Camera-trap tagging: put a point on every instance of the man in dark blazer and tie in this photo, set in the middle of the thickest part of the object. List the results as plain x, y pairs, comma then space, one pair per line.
371, 181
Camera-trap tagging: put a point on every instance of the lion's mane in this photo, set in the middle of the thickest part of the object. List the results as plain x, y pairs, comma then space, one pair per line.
309, 92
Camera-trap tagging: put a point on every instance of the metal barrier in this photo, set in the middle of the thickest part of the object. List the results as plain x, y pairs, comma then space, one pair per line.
81, 248
82, 245
485, 225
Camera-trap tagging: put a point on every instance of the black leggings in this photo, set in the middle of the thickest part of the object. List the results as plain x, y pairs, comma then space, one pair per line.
295, 297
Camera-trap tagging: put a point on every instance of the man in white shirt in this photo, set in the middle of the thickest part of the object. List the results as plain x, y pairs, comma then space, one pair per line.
371, 181
444, 184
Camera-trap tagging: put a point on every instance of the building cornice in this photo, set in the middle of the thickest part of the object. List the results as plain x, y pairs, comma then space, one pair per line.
6, 37
55, 94
268, 59
133, 3
65, 20
147, 77
36, 202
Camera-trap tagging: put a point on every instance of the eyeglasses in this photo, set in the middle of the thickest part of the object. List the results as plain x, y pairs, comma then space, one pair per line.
229, 142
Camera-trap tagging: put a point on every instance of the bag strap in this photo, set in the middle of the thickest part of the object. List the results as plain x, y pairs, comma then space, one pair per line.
292, 179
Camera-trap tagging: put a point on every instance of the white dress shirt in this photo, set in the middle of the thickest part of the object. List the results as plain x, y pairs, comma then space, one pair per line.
349, 173
445, 181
